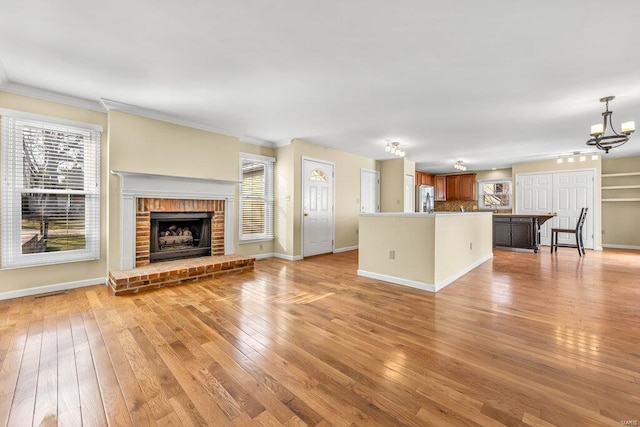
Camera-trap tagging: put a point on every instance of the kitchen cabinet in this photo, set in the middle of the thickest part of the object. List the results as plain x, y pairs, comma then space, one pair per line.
467, 187
440, 188
459, 187
424, 178
518, 231
453, 187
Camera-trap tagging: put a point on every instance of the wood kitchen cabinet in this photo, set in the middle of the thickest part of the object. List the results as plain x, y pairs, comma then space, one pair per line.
440, 188
459, 187
467, 187
424, 178
453, 187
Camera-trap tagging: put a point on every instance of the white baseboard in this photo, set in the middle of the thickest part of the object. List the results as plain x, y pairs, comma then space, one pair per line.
462, 272
424, 285
635, 248
345, 249
288, 257
398, 280
261, 256
19, 293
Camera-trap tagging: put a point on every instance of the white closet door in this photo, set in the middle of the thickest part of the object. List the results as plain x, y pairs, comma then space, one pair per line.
535, 197
562, 193
571, 192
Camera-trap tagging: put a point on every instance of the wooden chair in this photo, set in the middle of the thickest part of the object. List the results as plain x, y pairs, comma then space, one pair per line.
577, 231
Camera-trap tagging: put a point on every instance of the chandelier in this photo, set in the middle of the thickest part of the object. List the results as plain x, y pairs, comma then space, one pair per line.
607, 142
394, 148
458, 165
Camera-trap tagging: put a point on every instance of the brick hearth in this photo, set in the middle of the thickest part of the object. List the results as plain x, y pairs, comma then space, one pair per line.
177, 272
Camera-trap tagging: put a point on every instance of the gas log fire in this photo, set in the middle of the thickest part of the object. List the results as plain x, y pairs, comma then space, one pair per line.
177, 235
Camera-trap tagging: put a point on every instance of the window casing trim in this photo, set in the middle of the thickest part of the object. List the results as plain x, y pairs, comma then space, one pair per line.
13, 190
268, 163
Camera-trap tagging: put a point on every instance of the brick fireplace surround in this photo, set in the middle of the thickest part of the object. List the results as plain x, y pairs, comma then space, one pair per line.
145, 206
142, 194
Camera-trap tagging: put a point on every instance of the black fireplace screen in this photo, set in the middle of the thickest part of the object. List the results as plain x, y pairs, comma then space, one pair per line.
177, 235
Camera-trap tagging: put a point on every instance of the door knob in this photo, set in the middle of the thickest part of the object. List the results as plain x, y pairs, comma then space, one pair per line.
306, 214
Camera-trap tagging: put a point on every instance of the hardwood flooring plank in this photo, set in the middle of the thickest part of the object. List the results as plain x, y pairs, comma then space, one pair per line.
113, 402
22, 408
524, 339
46, 405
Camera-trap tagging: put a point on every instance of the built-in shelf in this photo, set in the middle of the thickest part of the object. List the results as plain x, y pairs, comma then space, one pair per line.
619, 187
616, 193
611, 175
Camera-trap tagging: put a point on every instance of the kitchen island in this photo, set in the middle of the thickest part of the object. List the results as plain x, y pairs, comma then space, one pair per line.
421, 250
518, 230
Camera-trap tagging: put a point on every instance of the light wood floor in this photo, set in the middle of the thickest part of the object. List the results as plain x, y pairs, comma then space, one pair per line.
524, 339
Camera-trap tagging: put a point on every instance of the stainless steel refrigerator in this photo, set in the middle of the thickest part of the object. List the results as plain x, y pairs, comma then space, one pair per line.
424, 198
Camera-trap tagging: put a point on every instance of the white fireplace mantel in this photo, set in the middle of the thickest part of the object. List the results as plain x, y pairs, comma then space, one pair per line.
134, 185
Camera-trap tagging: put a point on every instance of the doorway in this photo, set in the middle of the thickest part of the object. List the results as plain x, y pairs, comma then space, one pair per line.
317, 207
369, 191
562, 193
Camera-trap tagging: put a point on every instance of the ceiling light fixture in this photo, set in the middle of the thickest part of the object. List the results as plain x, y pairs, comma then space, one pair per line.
607, 142
394, 148
458, 165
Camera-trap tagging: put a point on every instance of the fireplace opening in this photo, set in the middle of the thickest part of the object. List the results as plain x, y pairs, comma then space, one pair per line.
178, 235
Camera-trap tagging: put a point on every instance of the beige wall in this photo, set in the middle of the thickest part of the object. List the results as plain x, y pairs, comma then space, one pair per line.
412, 238
29, 277
429, 251
347, 195
284, 204
392, 175
621, 220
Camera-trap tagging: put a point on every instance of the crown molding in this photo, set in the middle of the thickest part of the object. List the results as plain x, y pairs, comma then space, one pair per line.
283, 142
111, 105
47, 95
256, 141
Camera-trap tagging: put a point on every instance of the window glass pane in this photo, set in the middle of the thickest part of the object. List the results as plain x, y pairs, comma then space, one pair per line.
318, 175
256, 201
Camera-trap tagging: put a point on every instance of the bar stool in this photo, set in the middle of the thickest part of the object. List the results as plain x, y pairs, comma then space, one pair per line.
577, 231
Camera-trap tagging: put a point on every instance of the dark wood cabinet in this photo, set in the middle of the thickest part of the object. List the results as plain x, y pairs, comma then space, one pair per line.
518, 231
501, 232
440, 188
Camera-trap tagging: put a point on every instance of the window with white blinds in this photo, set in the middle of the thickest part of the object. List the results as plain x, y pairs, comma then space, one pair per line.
50, 190
256, 197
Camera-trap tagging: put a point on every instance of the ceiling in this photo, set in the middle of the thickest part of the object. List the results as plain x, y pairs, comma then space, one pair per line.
490, 83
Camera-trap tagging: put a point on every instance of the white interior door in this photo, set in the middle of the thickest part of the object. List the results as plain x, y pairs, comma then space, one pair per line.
317, 208
369, 191
571, 192
535, 197
562, 193
409, 194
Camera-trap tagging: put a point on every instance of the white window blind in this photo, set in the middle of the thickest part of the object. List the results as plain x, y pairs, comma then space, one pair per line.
256, 197
50, 190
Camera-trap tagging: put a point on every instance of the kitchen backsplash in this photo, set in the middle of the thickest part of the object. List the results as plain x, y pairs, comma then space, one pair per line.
455, 205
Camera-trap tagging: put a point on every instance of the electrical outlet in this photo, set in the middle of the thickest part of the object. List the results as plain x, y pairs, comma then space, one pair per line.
392, 254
